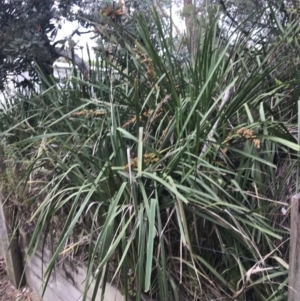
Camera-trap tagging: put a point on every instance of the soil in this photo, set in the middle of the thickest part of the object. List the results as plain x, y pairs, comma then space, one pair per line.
9, 293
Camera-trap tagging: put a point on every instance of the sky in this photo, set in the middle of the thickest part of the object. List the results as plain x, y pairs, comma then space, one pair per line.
81, 41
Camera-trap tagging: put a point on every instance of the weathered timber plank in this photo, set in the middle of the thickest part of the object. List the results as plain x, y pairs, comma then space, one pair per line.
9, 247
294, 255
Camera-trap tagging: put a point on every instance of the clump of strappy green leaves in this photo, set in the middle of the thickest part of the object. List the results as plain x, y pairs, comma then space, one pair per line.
162, 170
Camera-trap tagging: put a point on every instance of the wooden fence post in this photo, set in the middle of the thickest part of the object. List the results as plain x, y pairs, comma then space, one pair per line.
294, 255
9, 247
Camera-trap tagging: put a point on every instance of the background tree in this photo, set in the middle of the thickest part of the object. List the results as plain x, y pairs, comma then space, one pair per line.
29, 30
268, 17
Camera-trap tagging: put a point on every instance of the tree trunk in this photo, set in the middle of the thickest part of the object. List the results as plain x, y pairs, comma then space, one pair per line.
189, 13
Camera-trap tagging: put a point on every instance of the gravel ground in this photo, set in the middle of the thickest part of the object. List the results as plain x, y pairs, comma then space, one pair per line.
9, 293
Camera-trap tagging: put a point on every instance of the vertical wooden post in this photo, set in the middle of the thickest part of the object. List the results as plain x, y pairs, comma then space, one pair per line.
9, 247
294, 255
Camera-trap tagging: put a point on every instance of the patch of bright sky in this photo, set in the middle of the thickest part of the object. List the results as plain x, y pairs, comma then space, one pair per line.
82, 42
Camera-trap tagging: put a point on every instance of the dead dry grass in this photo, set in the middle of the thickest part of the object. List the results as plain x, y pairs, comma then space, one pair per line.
9, 293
